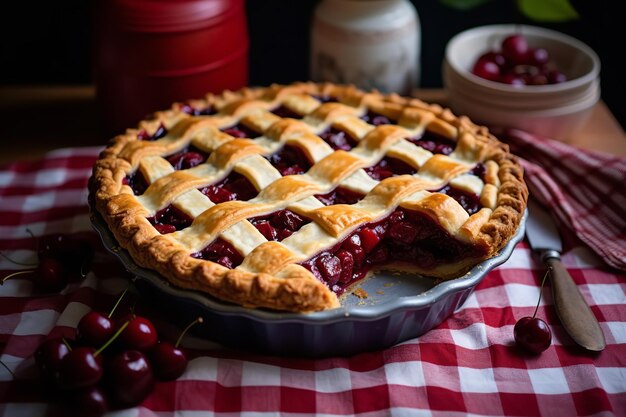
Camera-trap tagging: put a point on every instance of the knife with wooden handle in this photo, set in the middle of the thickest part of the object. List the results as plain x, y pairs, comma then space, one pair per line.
573, 311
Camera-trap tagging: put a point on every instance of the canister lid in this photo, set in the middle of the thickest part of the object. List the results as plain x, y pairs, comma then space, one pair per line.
167, 15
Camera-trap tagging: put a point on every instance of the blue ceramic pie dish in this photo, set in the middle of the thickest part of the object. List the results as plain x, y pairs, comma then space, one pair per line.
398, 307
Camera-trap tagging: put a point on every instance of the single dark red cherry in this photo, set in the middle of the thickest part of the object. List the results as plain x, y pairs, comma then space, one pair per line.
129, 378
532, 333
169, 360
140, 334
80, 368
94, 329
538, 56
330, 268
90, 402
488, 70
48, 357
369, 239
515, 49
50, 275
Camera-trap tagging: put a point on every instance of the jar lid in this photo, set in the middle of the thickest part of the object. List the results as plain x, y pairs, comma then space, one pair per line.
167, 15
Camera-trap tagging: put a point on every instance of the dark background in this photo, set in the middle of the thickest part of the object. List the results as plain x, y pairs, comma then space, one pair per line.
49, 42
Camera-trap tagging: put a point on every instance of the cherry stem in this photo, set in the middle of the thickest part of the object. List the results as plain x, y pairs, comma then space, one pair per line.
180, 338
112, 339
541, 289
118, 302
15, 274
16, 262
66, 343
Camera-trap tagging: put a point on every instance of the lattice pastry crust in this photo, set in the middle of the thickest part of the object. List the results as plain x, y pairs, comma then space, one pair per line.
275, 274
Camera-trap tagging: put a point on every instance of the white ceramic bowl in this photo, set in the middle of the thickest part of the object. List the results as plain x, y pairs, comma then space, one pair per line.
552, 110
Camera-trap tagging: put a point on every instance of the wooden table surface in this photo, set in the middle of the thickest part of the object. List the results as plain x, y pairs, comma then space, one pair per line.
35, 120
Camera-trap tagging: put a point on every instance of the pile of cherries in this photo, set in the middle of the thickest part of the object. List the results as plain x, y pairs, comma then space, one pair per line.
518, 64
111, 363
62, 258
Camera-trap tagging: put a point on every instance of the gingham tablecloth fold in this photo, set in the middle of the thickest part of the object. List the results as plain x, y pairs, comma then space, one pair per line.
585, 190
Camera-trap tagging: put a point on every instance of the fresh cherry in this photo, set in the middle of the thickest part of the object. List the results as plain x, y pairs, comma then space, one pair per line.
95, 328
532, 333
488, 70
129, 378
140, 334
49, 275
80, 367
168, 359
515, 49
90, 402
48, 357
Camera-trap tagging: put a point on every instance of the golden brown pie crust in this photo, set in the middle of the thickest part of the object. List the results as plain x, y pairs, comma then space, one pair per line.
270, 275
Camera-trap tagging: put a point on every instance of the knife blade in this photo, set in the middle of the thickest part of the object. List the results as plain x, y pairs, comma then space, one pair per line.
573, 311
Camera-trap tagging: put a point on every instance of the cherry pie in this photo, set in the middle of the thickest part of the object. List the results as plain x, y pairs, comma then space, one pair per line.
283, 197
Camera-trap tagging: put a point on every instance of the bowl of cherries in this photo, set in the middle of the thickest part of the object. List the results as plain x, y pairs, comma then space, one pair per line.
525, 77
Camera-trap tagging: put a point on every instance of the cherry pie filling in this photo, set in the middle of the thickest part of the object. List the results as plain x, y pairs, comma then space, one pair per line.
377, 119
221, 252
338, 139
241, 131
169, 220
290, 160
233, 187
137, 182
339, 195
403, 236
189, 109
285, 112
279, 225
158, 134
388, 167
325, 98
187, 158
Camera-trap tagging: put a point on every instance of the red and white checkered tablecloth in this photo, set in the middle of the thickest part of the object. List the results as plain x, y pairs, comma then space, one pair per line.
468, 365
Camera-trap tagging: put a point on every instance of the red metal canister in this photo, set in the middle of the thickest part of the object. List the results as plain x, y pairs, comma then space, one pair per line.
151, 53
